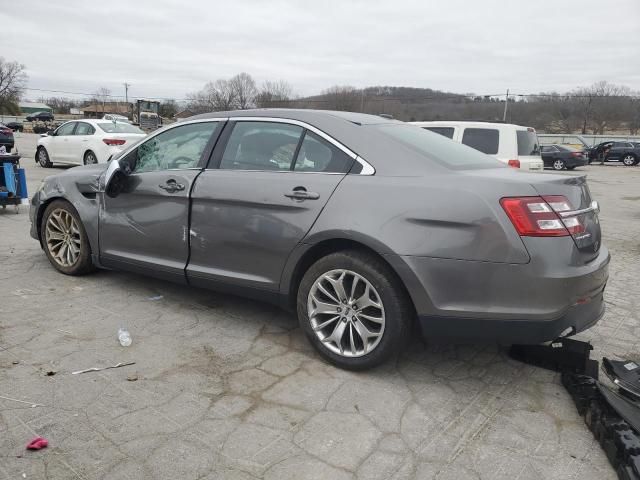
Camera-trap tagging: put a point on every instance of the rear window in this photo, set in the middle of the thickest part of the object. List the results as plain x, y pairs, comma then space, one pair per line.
444, 131
438, 148
485, 140
527, 142
118, 127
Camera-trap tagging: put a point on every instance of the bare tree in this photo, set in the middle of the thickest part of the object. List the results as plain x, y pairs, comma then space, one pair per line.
12, 83
60, 104
244, 89
342, 98
101, 96
274, 94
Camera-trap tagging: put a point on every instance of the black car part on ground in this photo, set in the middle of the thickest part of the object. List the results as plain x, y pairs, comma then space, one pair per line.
613, 420
625, 374
564, 354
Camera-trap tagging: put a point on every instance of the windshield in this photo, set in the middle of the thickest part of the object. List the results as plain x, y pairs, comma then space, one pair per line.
437, 147
527, 142
119, 127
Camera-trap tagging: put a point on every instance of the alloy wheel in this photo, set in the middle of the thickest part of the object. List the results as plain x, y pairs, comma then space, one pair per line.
90, 159
629, 160
62, 236
42, 157
346, 313
558, 165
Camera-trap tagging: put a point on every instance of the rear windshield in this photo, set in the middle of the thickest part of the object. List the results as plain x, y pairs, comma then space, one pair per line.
444, 131
527, 142
119, 127
438, 148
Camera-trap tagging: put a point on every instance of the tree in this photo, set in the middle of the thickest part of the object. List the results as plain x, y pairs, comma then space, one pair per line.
168, 108
101, 96
244, 90
215, 96
342, 98
12, 83
274, 94
60, 104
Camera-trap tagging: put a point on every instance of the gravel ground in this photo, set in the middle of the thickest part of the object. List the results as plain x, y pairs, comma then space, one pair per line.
229, 388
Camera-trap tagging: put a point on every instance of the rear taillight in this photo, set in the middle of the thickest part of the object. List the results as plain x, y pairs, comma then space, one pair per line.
541, 216
114, 141
514, 163
6, 131
576, 154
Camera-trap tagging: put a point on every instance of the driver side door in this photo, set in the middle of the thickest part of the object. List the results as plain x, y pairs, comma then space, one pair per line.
145, 228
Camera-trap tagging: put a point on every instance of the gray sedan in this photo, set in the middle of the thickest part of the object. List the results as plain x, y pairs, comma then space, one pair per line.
365, 226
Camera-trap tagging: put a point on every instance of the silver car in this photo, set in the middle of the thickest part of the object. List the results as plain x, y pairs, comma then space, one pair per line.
364, 225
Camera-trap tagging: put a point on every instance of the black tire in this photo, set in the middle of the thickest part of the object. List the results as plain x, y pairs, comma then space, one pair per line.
398, 310
9, 149
558, 164
83, 263
629, 160
90, 158
43, 158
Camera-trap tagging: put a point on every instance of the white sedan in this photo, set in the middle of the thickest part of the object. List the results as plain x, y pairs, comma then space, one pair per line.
83, 142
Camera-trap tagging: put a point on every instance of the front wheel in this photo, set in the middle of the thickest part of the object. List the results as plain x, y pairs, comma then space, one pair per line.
558, 164
65, 240
629, 160
353, 310
43, 158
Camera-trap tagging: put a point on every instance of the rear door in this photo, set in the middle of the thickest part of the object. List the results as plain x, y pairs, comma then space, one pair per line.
269, 182
146, 227
528, 148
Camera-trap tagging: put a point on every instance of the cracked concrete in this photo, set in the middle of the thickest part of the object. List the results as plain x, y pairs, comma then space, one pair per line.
229, 388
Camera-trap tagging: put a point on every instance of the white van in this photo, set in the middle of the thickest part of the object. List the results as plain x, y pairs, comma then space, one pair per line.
514, 145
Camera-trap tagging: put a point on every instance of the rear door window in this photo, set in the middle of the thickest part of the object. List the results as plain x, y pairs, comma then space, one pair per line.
527, 142
444, 131
261, 146
486, 140
317, 155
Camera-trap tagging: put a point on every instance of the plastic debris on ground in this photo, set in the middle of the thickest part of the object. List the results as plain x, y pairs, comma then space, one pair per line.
37, 443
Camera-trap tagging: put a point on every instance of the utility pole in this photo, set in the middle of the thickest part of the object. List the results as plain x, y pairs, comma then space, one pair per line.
506, 102
126, 95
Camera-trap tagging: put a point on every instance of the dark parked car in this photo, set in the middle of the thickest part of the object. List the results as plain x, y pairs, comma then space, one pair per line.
6, 137
560, 157
359, 223
626, 152
40, 116
15, 126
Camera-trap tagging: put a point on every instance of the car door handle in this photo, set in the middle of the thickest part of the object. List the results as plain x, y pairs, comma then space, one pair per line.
300, 193
171, 186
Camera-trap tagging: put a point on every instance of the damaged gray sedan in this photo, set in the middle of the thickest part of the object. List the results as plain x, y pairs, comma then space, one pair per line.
363, 225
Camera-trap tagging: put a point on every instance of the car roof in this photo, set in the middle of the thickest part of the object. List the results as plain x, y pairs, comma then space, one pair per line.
462, 123
303, 115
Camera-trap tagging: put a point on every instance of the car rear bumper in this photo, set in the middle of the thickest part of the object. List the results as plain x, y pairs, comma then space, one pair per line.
519, 303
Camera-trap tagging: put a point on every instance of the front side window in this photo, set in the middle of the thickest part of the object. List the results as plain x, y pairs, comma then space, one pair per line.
177, 148
84, 129
485, 140
261, 146
444, 131
317, 155
66, 129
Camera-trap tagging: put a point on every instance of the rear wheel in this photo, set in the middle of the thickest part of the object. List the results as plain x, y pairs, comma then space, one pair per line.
558, 164
629, 159
43, 158
90, 158
65, 240
353, 310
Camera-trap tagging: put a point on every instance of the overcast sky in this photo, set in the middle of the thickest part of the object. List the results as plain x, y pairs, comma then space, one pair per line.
169, 48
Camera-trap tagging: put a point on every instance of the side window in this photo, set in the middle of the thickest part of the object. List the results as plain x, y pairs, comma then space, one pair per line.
483, 139
444, 131
317, 155
261, 146
179, 147
84, 129
66, 129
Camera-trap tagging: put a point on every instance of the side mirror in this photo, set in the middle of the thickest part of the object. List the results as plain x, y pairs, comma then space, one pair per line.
113, 179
